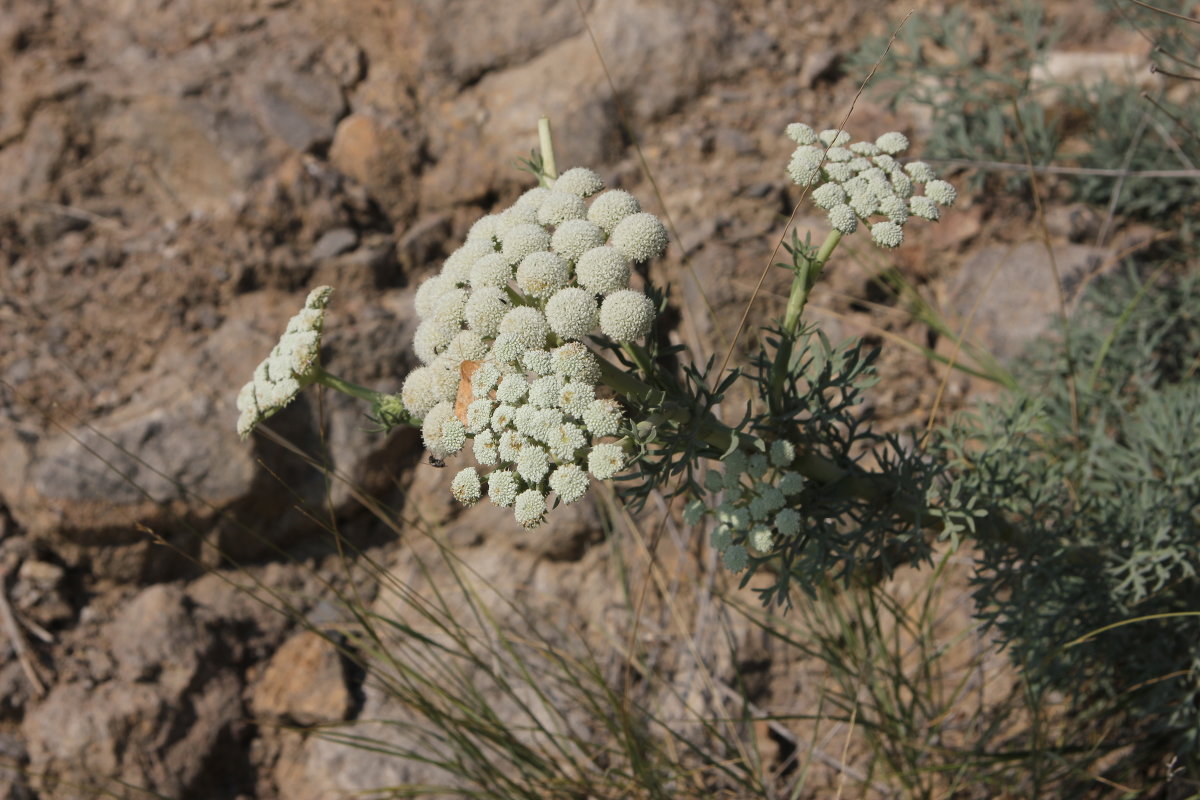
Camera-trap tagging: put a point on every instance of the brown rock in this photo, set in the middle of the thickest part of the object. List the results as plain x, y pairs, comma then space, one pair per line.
305, 683
1010, 291
378, 157
650, 49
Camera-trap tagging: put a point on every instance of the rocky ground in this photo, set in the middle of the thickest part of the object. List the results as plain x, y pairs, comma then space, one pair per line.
174, 177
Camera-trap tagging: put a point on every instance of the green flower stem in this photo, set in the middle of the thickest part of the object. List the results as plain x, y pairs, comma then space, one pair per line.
546, 143
639, 355
346, 387
387, 408
804, 282
806, 277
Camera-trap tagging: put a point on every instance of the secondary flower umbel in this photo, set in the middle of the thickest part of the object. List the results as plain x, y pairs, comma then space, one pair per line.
292, 365
864, 181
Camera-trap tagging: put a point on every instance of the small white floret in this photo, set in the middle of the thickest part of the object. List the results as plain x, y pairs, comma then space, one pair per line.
603, 418
569, 482
419, 392
923, 207
575, 398
491, 270
479, 415
522, 240
467, 345
457, 266
834, 138
791, 483
579, 181
892, 143
564, 440
428, 294
558, 207
894, 209
432, 426
502, 487
828, 195
626, 315
760, 538
539, 361
787, 522
574, 360
783, 452
485, 448
533, 464
529, 508
528, 325
800, 133
735, 558
640, 237
484, 379
484, 310
575, 237
721, 537
572, 313
544, 391
839, 172
842, 218
887, 234
603, 270
431, 339
466, 487
920, 172
941, 192
532, 199
804, 170
608, 209
541, 274
606, 460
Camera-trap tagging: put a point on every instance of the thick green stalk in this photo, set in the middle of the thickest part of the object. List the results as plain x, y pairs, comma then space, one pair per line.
806, 277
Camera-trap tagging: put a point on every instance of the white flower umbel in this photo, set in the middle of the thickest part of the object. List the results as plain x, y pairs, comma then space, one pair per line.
762, 508
292, 365
491, 332
864, 181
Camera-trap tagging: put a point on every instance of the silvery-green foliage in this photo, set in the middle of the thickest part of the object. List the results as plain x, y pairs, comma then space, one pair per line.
852, 525
1099, 497
996, 106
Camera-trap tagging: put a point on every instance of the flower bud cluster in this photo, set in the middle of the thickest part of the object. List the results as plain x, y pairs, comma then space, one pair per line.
758, 511
291, 366
502, 326
864, 180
